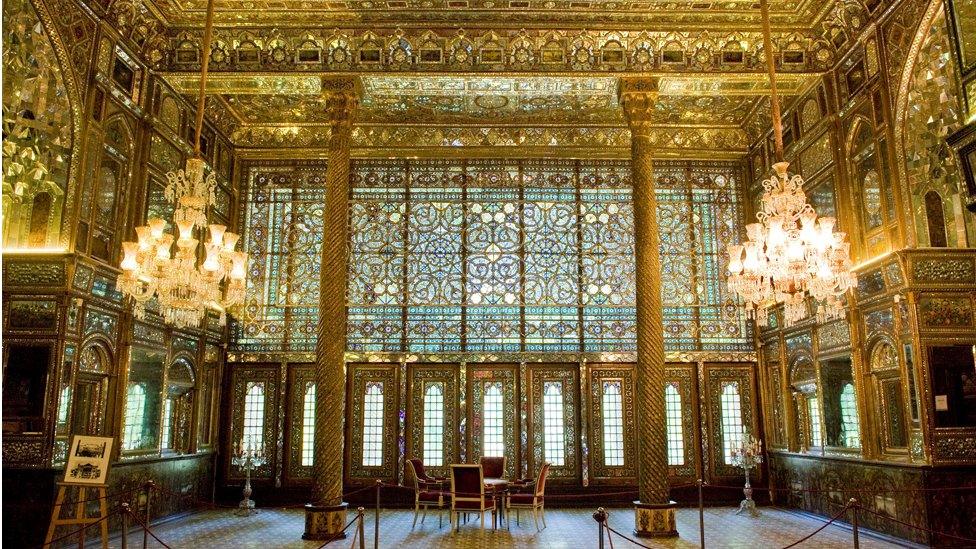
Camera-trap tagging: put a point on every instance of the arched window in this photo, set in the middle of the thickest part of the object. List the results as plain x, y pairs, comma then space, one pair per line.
434, 425
554, 431
848, 416
935, 218
732, 428
253, 430
813, 414
373, 425
494, 440
135, 416
672, 415
613, 425
308, 426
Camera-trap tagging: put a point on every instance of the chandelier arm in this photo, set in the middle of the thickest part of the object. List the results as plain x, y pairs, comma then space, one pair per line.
773, 92
204, 67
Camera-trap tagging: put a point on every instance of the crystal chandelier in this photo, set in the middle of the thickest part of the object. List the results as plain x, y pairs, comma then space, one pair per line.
159, 265
790, 254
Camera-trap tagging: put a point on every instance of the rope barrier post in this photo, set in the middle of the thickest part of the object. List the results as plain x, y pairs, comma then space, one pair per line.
854, 505
376, 520
600, 516
701, 513
362, 532
145, 528
125, 525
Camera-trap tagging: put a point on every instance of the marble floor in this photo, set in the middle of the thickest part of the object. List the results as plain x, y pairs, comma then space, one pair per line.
568, 529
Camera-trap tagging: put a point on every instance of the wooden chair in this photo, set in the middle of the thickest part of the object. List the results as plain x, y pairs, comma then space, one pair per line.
535, 500
428, 492
493, 467
468, 494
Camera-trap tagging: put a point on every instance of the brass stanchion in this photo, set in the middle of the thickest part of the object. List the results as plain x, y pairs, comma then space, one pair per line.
600, 516
125, 525
362, 531
854, 505
376, 520
145, 531
701, 513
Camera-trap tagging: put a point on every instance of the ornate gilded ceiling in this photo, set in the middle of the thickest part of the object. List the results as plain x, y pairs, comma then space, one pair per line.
593, 13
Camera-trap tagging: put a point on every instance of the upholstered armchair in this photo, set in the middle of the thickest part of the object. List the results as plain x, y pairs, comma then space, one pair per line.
468, 494
428, 492
534, 500
493, 467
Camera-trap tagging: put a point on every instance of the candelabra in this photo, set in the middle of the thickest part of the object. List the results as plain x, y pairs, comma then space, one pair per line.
747, 455
247, 459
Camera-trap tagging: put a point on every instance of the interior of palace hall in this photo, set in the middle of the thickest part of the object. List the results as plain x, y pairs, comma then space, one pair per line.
489, 273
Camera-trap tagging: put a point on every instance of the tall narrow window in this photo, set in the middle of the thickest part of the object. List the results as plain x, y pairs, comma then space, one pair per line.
613, 424
308, 426
167, 423
373, 425
494, 441
253, 428
434, 424
848, 416
672, 415
813, 411
732, 428
135, 416
553, 429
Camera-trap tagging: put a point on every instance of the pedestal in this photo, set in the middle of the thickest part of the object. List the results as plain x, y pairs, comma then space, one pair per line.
655, 520
323, 522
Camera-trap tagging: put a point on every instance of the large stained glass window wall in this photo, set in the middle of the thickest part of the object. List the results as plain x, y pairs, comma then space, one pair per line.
492, 256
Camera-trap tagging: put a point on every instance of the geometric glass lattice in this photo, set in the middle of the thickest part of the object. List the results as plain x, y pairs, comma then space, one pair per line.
553, 427
672, 416
732, 429
492, 256
373, 425
434, 425
613, 424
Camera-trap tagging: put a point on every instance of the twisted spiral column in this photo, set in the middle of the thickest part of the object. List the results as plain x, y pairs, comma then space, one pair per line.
325, 516
654, 511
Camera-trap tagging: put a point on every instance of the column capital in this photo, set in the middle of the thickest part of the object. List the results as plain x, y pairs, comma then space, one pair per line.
638, 97
341, 98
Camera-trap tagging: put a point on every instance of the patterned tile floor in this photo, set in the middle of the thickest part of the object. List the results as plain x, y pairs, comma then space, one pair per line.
568, 529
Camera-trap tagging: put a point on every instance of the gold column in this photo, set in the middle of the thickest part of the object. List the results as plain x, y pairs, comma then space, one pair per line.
326, 515
654, 511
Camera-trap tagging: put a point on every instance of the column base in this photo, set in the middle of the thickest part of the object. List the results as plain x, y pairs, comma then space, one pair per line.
325, 522
655, 520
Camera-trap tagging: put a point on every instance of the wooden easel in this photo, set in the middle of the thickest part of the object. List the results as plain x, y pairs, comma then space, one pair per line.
86, 494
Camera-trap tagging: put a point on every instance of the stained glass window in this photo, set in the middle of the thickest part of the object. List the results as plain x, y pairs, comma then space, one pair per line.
253, 427
554, 431
135, 416
732, 429
613, 424
492, 256
813, 414
434, 424
493, 421
308, 426
373, 425
848, 415
672, 415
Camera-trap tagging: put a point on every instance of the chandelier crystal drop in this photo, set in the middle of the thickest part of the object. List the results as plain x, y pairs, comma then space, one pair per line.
789, 255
